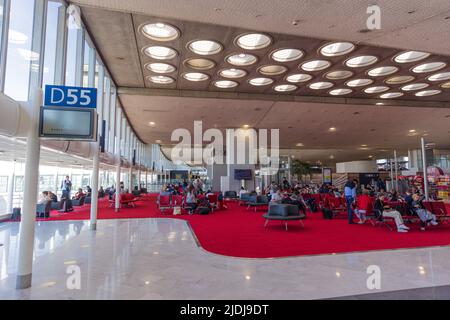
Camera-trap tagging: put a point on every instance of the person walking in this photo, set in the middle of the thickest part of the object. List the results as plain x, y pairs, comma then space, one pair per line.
350, 197
66, 187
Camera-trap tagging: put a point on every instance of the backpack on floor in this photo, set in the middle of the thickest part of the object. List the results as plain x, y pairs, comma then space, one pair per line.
203, 210
327, 213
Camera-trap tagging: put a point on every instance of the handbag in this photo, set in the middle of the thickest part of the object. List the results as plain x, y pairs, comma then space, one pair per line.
176, 211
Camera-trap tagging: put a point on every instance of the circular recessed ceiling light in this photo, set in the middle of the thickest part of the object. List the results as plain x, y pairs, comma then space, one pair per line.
260, 81
337, 49
332, 129
411, 56
382, 71
195, 76
285, 87
200, 63
272, 70
391, 95
427, 93
225, 84
338, 74
161, 79
321, 85
160, 31
158, 67
253, 41
241, 59
299, 77
376, 89
445, 85
429, 67
415, 86
316, 65
359, 82
399, 79
160, 52
361, 61
285, 55
340, 92
233, 73
205, 47
439, 76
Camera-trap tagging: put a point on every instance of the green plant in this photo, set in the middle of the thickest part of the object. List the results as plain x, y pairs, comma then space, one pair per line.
300, 168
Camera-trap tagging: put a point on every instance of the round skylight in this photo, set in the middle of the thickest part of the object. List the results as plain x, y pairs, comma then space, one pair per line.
253, 41
382, 71
361, 61
415, 86
160, 31
359, 82
411, 56
205, 47
337, 49
272, 70
376, 89
285, 55
321, 85
160, 52
339, 74
391, 95
427, 93
298, 77
233, 73
161, 79
399, 79
225, 84
445, 85
260, 81
285, 87
200, 63
241, 59
195, 76
316, 65
158, 67
429, 67
439, 76
340, 92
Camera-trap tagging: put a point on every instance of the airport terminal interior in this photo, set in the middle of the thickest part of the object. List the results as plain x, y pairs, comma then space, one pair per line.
250, 150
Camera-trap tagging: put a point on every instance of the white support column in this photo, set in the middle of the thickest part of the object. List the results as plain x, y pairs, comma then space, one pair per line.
26, 234
130, 179
424, 165
11, 179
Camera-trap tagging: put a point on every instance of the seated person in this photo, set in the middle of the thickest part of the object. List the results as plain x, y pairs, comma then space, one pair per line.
424, 215
80, 194
276, 197
242, 191
191, 201
44, 198
52, 196
221, 202
362, 205
101, 192
386, 211
88, 191
297, 200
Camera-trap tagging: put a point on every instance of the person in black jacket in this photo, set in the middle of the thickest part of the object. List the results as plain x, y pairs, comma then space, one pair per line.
381, 207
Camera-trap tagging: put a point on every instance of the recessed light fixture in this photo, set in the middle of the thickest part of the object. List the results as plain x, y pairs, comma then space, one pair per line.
299, 77
338, 74
151, 124
429, 67
376, 89
160, 52
200, 63
379, 104
158, 67
205, 47
445, 85
415, 86
427, 93
233, 73
399, 79
391, 95
382, 71
361, 61
364, 145
241, 59
253, 41
300, 144
337, 49
412, 131
321, 85
316, 65
285, 88
285, 55
359, 82
161, 79
246, 126
226, 84
340, 92
158, 141
332, 129
260, 81
411, 56
439, 76
160, 31
272, 70
195, 76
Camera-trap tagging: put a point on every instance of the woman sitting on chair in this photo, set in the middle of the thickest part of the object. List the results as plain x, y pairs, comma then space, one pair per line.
426, 217
386, 211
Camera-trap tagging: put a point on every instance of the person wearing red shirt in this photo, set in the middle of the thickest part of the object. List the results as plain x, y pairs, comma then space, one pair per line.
363, 204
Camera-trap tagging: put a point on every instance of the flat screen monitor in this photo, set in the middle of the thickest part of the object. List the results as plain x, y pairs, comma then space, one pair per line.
243, 174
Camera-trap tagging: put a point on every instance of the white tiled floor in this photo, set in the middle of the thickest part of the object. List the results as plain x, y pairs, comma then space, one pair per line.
159, 259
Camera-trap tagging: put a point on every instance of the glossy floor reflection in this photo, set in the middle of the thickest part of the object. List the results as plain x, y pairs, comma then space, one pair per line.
159, 259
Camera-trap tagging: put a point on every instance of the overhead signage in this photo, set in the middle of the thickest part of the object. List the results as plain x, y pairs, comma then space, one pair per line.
66, 96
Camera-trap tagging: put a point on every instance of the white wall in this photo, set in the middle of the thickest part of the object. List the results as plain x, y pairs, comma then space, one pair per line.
369, 166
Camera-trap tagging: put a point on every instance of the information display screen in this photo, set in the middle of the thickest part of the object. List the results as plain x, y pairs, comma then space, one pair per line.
243, 174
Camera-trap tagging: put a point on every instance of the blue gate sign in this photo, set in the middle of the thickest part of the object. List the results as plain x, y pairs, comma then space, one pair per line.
65, 96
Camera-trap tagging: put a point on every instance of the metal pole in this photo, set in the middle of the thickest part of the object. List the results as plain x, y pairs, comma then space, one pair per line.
117, 203
424, 165
391, 174
396, 170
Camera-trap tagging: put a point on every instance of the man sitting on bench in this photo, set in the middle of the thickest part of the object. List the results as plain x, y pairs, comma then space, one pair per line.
387, 211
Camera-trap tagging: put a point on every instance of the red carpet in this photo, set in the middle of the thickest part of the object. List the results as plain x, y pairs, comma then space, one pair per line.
240, 233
